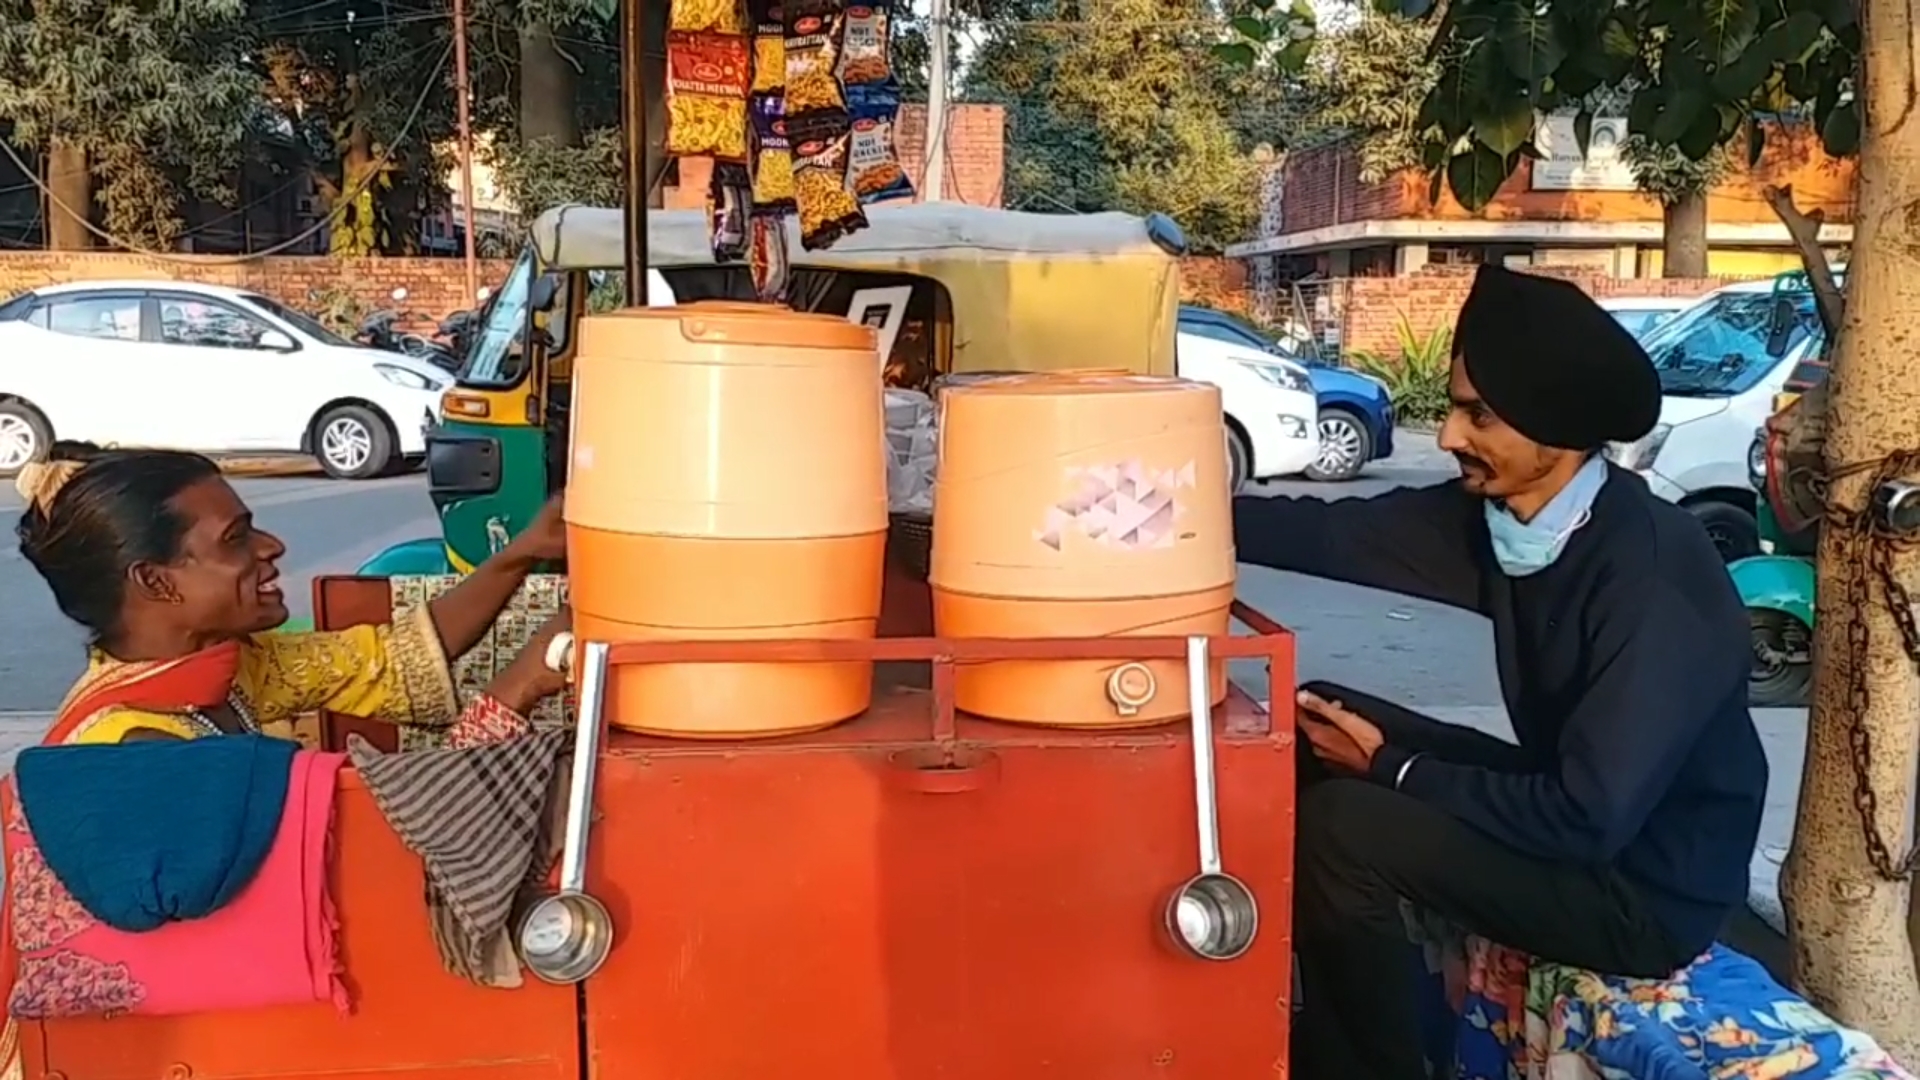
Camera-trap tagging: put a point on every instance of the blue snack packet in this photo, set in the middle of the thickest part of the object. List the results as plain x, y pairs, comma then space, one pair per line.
873, 164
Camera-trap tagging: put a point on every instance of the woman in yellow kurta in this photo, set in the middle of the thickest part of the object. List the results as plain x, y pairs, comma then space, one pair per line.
155, 554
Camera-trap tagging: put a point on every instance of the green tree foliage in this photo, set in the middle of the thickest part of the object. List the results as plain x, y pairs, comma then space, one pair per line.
366, 90
157, 97
1694, 76
1127, 106
1367, 83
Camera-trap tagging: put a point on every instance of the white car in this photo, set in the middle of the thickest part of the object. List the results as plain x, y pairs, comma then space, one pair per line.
1721, 362
1272, 414
1640, 314
200, 367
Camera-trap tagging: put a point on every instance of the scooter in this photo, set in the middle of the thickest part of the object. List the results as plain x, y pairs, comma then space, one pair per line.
1777, 588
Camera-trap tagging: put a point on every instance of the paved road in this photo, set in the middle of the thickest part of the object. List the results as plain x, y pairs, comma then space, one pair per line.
1430, 657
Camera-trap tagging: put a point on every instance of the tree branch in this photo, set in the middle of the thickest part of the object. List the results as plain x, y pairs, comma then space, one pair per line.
1804, 229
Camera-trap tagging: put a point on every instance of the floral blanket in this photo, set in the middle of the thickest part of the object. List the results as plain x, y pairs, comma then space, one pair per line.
1495, 1015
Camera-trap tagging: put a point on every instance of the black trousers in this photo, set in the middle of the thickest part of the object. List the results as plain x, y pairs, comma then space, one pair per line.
1360, 847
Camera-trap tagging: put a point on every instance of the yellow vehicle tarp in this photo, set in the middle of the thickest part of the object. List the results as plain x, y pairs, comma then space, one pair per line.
1029, 292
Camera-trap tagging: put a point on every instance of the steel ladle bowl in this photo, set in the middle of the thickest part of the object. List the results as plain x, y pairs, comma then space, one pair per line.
566, 937
1214, 917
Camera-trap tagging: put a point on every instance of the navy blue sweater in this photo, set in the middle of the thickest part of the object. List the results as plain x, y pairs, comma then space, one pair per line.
1624, 669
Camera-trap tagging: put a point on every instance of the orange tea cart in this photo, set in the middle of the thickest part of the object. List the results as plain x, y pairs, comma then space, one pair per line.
916, 893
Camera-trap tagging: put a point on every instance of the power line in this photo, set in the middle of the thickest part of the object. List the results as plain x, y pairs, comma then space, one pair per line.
340, 204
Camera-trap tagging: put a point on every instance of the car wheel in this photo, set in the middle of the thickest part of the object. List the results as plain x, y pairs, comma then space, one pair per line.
24, 436
1782, 668
353, 443
1239, 461
1735, 533
1345, 447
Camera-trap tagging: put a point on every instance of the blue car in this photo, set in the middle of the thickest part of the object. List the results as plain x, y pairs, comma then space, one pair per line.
1356, 413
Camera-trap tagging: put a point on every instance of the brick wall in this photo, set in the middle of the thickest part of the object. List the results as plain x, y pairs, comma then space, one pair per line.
1323, 188
1214, 281
976, 157
434, 286
1371, 308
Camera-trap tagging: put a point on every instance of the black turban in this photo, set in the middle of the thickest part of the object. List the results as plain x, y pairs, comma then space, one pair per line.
1553, 364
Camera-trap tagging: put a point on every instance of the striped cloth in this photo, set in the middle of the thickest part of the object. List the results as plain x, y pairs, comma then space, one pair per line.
487, 825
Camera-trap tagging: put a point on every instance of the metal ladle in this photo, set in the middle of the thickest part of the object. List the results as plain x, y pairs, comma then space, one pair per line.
567, 936
1213, 916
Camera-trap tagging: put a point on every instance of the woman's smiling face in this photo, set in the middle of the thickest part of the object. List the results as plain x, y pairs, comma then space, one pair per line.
225, 581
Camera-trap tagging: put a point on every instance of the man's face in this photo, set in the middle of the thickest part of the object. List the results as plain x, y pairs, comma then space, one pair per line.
1496, 462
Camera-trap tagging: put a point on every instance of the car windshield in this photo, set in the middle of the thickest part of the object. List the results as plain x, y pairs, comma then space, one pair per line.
299, 320
498, 358
1221, 326
1727, 344
1638, 321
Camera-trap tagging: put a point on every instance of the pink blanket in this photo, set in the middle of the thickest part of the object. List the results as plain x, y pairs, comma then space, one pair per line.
275, 944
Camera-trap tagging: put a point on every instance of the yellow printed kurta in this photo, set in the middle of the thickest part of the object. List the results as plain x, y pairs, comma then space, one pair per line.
397, 673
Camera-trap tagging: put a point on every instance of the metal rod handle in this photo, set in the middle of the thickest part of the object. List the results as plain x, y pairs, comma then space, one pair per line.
1200, 702
588, 725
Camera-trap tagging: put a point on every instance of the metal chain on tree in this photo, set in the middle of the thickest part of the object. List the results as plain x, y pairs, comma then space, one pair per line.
1867, 550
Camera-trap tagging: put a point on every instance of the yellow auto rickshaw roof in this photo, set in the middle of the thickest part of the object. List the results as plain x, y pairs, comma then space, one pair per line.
592, 238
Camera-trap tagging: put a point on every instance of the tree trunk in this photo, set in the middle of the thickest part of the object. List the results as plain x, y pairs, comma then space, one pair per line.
1686, 237
70, 187
547, 89
1846, 920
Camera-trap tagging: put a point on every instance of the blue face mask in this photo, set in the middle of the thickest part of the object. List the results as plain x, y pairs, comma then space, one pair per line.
1528, 547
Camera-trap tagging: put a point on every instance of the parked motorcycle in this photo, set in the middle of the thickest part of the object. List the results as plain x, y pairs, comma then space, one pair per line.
378, 331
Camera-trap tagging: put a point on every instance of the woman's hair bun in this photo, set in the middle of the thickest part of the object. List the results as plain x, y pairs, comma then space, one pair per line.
38, 482
93, 513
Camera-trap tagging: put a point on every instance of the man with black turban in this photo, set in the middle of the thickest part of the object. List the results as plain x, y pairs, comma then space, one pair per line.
1615, 834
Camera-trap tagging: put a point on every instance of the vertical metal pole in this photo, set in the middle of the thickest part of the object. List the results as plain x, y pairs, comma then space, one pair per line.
633, 126
464, 119
933, 185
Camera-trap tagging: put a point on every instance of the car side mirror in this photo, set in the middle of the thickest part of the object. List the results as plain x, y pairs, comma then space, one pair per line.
277, 341
546, 289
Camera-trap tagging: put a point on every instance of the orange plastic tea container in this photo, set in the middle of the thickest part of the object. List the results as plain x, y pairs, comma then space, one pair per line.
728, 482
1081, 504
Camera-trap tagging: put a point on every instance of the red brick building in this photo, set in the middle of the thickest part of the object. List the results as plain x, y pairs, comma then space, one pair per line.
1582, 213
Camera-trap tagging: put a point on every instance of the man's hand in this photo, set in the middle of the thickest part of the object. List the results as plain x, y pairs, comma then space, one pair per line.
1342, 739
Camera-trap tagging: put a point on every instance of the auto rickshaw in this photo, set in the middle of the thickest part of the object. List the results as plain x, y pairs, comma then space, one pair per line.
950, 288
1777, 586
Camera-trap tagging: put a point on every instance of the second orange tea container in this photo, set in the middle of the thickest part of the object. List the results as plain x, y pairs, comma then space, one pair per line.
1081, 505
728, 482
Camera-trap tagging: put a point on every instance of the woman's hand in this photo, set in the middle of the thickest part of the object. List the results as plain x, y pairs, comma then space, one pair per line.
463, 614
545, 537
527, 680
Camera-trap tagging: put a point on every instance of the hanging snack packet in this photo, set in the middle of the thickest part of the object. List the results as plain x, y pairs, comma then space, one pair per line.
769, 47
772, 155
707, 78
828, 209
728, 196
873, 162
767, 256
719, 16
813, 48
864, 53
